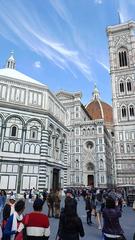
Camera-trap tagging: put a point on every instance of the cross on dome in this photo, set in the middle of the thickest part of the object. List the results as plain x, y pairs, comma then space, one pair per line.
11, 61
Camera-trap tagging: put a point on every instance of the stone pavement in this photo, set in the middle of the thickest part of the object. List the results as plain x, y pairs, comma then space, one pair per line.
92, 232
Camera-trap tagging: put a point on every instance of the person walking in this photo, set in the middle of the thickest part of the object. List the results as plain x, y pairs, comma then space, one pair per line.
11, 204
88, 208
57, 201
1, 207
70, 225
111, 226
25, 194
36, 223
30, 196
50, 203
1, 204
14, 221
4, 197
44, 194
6, 215
69, 195
98, 205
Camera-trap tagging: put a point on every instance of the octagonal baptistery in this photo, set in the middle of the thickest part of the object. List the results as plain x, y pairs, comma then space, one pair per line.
98, 109
33, 134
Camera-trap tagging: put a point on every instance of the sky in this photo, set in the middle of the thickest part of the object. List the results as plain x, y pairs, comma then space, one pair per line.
62, 43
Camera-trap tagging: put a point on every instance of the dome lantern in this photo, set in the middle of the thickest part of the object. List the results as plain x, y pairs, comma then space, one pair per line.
95, 93
11, 61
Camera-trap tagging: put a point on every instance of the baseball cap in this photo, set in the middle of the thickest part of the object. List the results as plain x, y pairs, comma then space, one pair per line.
12, 197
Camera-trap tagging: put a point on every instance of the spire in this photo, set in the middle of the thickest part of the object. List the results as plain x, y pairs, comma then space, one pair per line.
95, 92
119, 17
11, 61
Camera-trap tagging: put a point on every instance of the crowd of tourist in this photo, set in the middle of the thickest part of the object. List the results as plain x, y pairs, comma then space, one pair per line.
104, 205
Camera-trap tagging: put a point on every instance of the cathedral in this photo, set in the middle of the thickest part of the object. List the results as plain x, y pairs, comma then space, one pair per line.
53, 141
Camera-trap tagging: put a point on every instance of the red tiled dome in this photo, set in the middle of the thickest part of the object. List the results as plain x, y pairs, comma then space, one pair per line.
100, 110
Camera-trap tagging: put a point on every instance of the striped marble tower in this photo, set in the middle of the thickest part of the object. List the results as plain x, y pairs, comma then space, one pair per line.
42, 167
44, 143
65, 162
42, 176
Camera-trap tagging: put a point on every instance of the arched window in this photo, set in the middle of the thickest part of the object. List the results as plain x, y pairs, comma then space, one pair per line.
32, 149
12, 147
13, 131
27, 148
17, 147
131, 111
37, 149
134, 148
88, 131
56, 140
124, 113
123, 58
72, 132
121, 87
122, 148
33, 133
128, 148
128, 86
101, 164
6, 146
77, 163
84, 131
102, 179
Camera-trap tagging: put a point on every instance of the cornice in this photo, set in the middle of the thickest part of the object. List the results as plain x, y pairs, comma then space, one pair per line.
33, 110
120, 27
19, 83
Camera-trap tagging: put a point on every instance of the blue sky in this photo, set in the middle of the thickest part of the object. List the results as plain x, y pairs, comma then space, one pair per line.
62, 43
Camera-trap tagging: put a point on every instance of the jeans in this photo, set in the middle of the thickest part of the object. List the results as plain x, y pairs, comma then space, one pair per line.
89, 217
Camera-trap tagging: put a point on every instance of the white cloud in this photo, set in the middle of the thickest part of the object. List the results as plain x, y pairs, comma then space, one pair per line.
37, 64
105, 66
98, 1
32, 32
61, 10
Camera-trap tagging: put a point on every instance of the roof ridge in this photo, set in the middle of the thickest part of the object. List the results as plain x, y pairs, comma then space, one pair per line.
17, 75
102, 112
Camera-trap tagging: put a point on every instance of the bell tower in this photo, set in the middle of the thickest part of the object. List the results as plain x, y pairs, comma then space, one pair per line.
121, 40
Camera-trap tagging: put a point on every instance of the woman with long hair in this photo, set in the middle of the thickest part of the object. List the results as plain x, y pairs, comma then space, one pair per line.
111, 226
98, 204
70, 225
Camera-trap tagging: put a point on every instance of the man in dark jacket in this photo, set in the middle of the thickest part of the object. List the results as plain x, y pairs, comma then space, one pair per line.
88, 208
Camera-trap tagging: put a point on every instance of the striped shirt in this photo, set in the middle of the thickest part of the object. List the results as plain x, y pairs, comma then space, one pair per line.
37, 226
